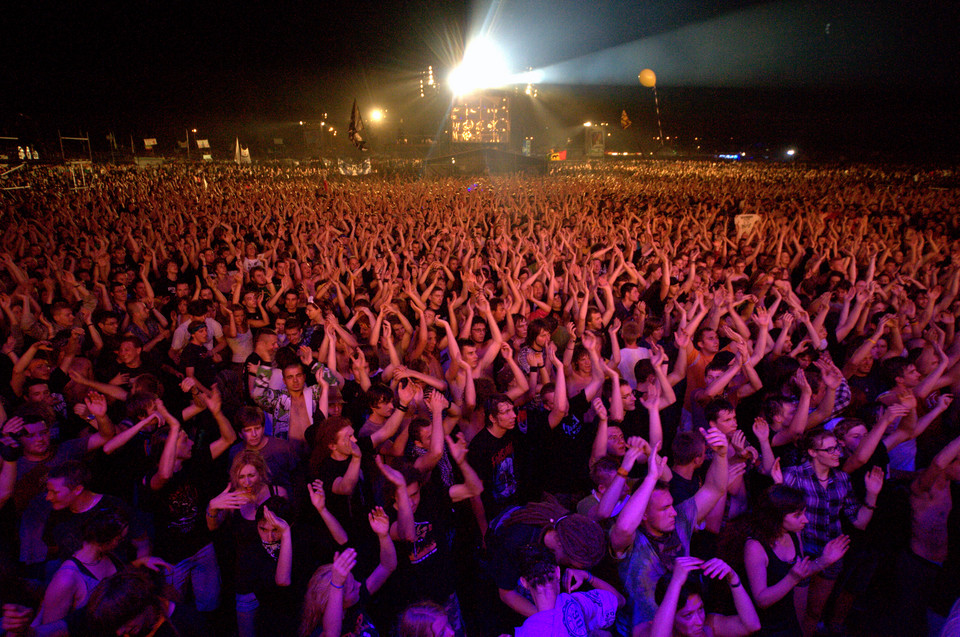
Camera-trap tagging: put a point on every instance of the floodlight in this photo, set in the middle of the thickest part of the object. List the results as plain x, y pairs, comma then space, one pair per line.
376, 115
791, 152
483, 66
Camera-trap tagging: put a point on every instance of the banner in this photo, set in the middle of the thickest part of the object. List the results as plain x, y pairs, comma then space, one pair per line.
150, 142
241, 155
278, 141
562, 155
745, 223
203, 143
594, 145
624, 120
356, 127
354, 169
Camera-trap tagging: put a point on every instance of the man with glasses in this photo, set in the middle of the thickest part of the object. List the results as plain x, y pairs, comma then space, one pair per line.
828, 494
491, 454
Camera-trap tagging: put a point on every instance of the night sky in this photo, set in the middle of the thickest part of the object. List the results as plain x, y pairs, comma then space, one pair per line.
872, 76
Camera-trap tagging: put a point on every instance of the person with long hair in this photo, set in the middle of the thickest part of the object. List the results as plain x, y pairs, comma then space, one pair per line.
335, 601
680, 608
773, 557
575, 541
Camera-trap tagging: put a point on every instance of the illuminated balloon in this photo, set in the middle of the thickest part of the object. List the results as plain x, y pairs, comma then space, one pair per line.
647, 78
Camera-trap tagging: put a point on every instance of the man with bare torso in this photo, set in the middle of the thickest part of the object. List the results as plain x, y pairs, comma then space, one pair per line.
919, 567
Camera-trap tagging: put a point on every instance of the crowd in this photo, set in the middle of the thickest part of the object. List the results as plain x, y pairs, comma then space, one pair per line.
669, 399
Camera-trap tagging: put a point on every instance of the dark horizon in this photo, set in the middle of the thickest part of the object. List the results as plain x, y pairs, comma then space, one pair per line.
888, 85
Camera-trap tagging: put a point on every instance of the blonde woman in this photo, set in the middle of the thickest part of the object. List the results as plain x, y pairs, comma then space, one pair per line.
335, 601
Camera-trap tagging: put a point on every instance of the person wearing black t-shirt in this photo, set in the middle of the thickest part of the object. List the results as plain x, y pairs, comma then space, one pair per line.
492, 453
195, 359
336, 461
178, 494
426, 566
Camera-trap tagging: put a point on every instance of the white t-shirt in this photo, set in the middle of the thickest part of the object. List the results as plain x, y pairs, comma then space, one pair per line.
181, 336
575, 615
628, 360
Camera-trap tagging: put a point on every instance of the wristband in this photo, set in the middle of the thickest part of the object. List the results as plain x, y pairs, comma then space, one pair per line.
536, 368
871, 507
402, 407
335, 586
737, 585
623, 473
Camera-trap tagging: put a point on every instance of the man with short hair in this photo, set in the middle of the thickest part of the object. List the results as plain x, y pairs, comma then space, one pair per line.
650, 533
264, 354
295, 407
195, 359
28, 454
73, 503
214, 340
827, 494
491, 454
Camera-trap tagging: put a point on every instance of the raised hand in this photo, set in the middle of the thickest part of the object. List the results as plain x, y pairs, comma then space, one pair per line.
655, 463
458, 447
437, 402
631, 456
715, 439
305, 354
834, 550
761, 429
96, 404
228, 499
651, 400
739, 441
874, 481
11, 428
408, 392
343, 563
719, 570
393, 476
599, 408
735, 470
318, 498
213, 400
776, 472
379, 522
683, 566
271, 518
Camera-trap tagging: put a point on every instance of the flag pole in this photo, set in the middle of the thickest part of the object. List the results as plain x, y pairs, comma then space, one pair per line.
656, 103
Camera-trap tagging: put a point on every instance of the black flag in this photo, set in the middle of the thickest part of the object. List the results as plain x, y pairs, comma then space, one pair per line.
356, 127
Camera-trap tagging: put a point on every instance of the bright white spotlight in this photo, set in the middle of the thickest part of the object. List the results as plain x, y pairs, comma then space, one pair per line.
791, 152
483, 66
588, 124
376, 115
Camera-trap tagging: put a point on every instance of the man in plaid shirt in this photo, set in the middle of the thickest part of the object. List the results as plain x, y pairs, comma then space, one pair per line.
828, 493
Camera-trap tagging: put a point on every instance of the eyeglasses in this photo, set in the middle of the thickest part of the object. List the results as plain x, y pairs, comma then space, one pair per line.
833, 449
